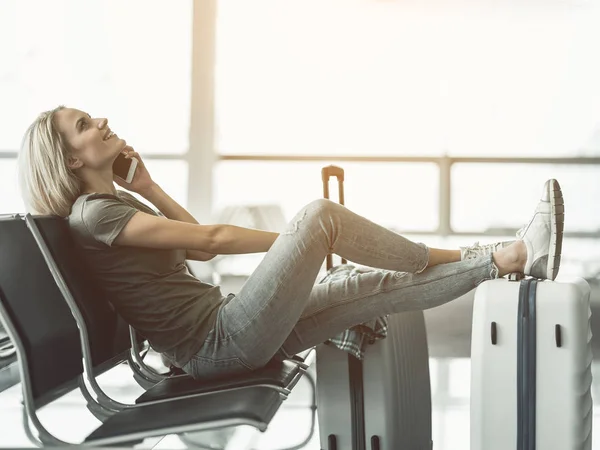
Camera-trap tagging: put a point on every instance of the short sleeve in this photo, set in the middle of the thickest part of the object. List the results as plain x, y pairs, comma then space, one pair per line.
105, 216
138, 204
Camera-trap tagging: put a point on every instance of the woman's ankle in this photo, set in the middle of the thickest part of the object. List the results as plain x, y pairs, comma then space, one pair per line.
511, 259
442, 256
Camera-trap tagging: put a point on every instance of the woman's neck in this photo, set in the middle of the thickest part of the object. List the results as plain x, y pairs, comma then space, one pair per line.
98, 184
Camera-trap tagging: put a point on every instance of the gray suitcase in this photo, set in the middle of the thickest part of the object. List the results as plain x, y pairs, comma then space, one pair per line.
384, 401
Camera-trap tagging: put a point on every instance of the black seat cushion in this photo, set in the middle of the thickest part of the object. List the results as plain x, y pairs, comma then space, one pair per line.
255, 405
275, 373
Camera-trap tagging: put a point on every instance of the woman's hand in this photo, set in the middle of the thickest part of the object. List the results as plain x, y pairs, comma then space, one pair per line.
142, 182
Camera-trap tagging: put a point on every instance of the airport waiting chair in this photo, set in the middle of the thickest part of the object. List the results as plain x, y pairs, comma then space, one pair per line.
62, 344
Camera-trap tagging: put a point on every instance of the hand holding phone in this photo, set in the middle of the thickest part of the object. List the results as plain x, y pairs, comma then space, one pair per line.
129, 171
124, 167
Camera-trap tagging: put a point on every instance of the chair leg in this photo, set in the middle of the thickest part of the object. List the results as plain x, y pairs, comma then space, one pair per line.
99, 412
134, 355
140, 377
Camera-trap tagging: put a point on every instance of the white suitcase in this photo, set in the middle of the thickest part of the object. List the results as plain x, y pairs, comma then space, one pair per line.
383, 402
531, 362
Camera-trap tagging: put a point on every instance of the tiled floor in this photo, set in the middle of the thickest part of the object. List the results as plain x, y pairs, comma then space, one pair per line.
69, 419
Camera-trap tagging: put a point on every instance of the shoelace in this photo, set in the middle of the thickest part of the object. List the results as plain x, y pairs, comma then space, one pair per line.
476, 250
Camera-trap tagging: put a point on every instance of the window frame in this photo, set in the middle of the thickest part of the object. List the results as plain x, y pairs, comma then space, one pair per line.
445, 164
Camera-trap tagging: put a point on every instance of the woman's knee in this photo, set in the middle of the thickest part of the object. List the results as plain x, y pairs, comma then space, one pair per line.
311, 215
318, 218
321, 207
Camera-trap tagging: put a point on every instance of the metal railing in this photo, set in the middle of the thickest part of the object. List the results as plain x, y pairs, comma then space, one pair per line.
444, 164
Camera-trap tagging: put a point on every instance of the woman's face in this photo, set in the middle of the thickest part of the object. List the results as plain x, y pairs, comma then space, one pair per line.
91, 141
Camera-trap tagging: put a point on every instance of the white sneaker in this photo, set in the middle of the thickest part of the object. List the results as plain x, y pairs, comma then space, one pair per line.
543, 234
477, 251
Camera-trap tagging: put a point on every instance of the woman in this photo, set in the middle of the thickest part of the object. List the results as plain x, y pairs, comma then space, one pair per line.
138, 255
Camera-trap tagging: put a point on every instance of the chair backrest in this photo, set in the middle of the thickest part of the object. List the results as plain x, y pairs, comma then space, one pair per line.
38, 313
108, 334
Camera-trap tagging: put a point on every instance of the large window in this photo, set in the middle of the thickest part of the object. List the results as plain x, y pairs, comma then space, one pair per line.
426, 84
127, 61
486, 196
9, 199
388, 198
370, 77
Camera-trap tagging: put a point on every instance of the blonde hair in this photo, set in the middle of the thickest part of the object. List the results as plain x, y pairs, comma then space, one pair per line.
48, 186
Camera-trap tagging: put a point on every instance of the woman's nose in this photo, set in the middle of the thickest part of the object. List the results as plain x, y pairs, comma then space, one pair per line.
102, 123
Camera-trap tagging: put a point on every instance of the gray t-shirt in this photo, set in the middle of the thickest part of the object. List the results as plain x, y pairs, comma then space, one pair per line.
152, 289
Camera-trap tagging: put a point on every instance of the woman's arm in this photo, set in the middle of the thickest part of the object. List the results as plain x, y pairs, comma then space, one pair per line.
143, 184
146, 230
174, 211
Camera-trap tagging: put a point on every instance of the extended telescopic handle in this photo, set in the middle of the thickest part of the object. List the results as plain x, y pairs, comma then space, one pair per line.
333, 171
326, 174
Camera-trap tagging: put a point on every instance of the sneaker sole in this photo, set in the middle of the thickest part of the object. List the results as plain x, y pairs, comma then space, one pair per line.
556, 228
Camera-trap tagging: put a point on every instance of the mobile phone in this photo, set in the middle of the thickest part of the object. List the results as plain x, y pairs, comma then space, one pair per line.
124, 168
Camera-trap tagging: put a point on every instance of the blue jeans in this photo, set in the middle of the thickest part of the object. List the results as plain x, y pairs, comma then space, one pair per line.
280, 311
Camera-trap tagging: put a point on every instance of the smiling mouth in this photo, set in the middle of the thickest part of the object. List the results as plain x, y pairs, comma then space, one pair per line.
109, 135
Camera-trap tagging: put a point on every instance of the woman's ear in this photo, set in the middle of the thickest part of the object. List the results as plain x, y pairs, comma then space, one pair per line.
74, 163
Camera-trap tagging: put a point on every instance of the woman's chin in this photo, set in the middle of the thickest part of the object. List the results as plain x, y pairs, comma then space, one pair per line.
119, 145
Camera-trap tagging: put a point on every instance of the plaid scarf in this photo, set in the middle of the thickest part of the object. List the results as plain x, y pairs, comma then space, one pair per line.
355, 339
